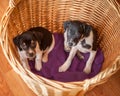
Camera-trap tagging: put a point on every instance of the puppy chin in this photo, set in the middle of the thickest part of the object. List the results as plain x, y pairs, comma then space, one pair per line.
31, 58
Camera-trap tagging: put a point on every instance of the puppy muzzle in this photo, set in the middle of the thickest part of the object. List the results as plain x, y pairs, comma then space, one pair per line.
31, 54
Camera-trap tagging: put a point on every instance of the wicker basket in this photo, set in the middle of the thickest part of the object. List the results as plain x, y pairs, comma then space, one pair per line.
21, 15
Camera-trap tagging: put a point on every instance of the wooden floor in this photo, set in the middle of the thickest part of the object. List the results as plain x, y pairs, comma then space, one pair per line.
12, 85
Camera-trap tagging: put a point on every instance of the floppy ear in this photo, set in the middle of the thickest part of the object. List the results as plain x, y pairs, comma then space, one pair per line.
87, 29
44, 38
38, 36
66, 24
16, 41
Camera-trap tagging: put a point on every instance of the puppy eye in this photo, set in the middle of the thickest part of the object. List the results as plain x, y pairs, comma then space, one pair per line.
72, 31
76, 40
24, 46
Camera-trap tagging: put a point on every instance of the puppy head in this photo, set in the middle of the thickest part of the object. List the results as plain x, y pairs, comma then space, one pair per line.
73, 33
26, 42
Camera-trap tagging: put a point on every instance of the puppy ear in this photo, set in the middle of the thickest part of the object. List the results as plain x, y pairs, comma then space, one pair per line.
66, 24
39, 37
87, 30
16, 41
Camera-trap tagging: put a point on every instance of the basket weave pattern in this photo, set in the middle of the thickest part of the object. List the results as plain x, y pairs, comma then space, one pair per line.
21, 15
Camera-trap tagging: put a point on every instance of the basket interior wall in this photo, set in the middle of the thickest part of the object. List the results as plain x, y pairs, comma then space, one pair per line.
52, 13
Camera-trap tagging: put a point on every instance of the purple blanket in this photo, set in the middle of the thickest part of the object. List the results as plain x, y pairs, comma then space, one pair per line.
58, 56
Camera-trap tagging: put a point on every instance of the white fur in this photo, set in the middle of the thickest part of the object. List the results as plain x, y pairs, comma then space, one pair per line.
67, 63
48, 50
87, 69
65, 41
23, 59
40, 56
89, 39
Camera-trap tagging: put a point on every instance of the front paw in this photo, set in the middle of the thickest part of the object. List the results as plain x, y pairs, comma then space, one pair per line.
45, 58
87, 70
38, 66
81, 57
63, 68
27, 67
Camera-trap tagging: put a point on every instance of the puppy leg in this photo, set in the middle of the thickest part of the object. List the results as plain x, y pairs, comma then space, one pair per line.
23, 59
88, 66
25, 63
66, 48
38, 63
79, 55
67, 63
45, 56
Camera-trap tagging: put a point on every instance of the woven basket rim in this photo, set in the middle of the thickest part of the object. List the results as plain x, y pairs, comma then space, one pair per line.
102, 76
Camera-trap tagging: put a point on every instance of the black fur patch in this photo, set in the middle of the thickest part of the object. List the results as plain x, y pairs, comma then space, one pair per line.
43, 36
40, 34
87, 46
16, 41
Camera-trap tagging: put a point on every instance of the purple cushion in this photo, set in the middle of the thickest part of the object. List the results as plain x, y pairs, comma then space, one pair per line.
58, 56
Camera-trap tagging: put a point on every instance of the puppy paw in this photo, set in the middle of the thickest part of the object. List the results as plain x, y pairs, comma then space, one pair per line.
38, 66
81, 57
67, 49
63, 68
45, 58
26, 65
87, 70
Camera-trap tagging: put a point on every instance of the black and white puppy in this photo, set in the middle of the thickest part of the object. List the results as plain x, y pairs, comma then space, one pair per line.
79, 37
35, 43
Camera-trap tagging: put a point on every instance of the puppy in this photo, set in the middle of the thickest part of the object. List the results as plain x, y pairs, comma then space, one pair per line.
79, 37
35, 43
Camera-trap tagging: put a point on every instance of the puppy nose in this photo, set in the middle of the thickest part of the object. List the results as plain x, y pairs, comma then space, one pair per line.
70, 44
31, 54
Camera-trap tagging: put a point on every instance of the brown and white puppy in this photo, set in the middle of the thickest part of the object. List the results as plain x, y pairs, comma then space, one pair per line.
79, 37
35, 43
